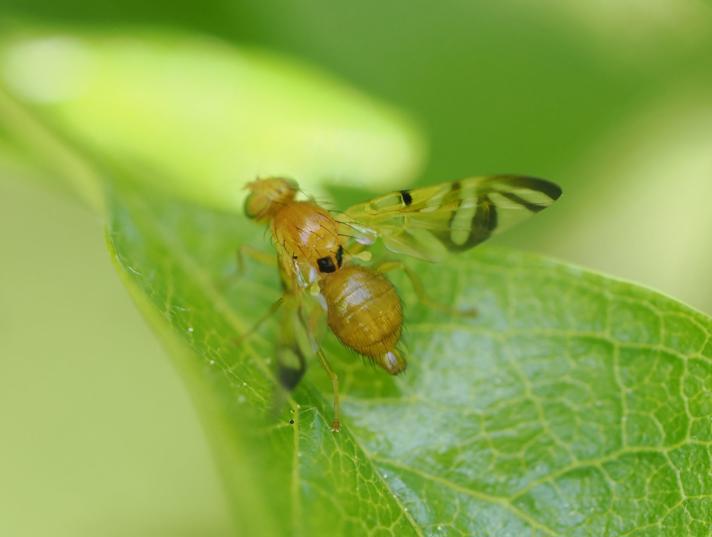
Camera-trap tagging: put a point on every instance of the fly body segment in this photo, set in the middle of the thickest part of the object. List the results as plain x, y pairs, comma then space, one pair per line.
316, 251
305, 235
364, 312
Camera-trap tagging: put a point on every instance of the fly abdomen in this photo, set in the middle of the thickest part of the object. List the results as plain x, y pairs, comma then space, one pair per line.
364, 311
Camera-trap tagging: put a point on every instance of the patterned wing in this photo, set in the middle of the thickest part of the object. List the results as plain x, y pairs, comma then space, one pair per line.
455, 216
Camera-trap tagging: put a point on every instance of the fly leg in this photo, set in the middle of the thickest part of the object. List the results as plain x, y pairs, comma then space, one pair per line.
420, 292
241, 254
358, 251
253, 253
335, 424
271, 311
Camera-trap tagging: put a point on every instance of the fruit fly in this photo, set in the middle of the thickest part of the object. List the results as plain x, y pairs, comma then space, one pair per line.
316, 251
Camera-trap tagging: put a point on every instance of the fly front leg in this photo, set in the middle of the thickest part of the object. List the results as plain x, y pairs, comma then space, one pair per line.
335, 424
255, 254
271, 311
241, 254
420, 292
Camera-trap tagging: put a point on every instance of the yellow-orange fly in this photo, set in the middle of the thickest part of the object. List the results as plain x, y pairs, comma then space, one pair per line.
361, 306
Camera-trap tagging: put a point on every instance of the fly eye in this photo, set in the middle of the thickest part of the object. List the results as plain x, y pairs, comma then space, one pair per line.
251, 206
326, 264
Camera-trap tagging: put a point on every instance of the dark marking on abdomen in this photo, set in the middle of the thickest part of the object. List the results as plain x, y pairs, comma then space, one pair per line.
326, 264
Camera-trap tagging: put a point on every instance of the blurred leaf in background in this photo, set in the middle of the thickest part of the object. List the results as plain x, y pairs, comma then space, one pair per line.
611, 100
516, 86
74, 117
227, 113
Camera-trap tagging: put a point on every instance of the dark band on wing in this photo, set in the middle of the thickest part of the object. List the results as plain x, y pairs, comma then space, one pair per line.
548, 188
533, 207
483, 223
533, 184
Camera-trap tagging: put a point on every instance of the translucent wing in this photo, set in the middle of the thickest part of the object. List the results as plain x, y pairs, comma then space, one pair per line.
455, 216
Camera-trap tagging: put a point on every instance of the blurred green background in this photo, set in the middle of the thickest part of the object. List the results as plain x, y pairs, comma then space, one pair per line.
613, 100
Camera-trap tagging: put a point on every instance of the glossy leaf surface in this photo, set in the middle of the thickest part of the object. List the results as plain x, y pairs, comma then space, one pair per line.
573, 405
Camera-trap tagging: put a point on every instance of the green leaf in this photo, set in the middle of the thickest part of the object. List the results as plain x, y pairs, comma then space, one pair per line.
573, 405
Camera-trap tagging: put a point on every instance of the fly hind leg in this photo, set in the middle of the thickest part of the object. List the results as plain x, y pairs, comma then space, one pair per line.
335, 424
420, 292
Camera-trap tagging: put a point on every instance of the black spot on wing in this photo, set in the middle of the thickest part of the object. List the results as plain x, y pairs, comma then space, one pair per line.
291, 363
290, 375
289, 378
340, 256
406, 197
